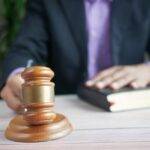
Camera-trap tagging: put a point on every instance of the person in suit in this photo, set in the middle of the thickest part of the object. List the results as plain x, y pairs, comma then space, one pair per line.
97, 42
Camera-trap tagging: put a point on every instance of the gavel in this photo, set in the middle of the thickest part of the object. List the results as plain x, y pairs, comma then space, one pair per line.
38, 122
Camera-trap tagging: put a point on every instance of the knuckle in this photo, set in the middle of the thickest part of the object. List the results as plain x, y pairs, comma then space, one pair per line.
108, 80
121, 82
104, 73
127, 78
113, 77
117, 75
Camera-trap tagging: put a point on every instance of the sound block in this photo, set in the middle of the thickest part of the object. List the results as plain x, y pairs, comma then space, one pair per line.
20, 131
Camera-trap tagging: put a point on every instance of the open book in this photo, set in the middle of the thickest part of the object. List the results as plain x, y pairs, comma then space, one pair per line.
121, 100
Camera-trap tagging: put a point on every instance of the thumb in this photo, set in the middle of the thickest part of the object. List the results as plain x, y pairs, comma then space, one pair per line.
15, 84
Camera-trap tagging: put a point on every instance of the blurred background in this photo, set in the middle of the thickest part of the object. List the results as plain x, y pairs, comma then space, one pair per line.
11, 14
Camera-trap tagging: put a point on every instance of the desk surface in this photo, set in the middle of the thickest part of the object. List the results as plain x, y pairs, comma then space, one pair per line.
93, 128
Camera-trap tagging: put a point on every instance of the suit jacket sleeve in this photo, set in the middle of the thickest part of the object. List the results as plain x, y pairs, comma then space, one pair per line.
31, 42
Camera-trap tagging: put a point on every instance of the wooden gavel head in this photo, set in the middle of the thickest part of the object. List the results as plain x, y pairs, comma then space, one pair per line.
38, 95
38, 121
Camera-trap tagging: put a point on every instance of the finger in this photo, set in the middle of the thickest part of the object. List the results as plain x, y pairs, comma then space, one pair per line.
101, 75
11, 100
122, 82
104, 83
109, 79
139, 84
17, 92
15, 84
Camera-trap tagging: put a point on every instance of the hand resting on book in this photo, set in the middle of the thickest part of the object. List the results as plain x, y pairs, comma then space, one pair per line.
136, 76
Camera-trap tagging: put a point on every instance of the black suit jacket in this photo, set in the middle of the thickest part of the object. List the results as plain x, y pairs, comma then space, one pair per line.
54, 34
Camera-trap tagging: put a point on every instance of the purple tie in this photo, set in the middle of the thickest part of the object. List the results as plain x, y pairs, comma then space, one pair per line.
98, 16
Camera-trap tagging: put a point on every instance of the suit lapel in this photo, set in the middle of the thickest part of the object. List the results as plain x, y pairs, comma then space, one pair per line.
75, 14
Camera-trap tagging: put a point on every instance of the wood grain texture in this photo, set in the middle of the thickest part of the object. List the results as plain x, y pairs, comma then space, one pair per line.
20, 131
94, 128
